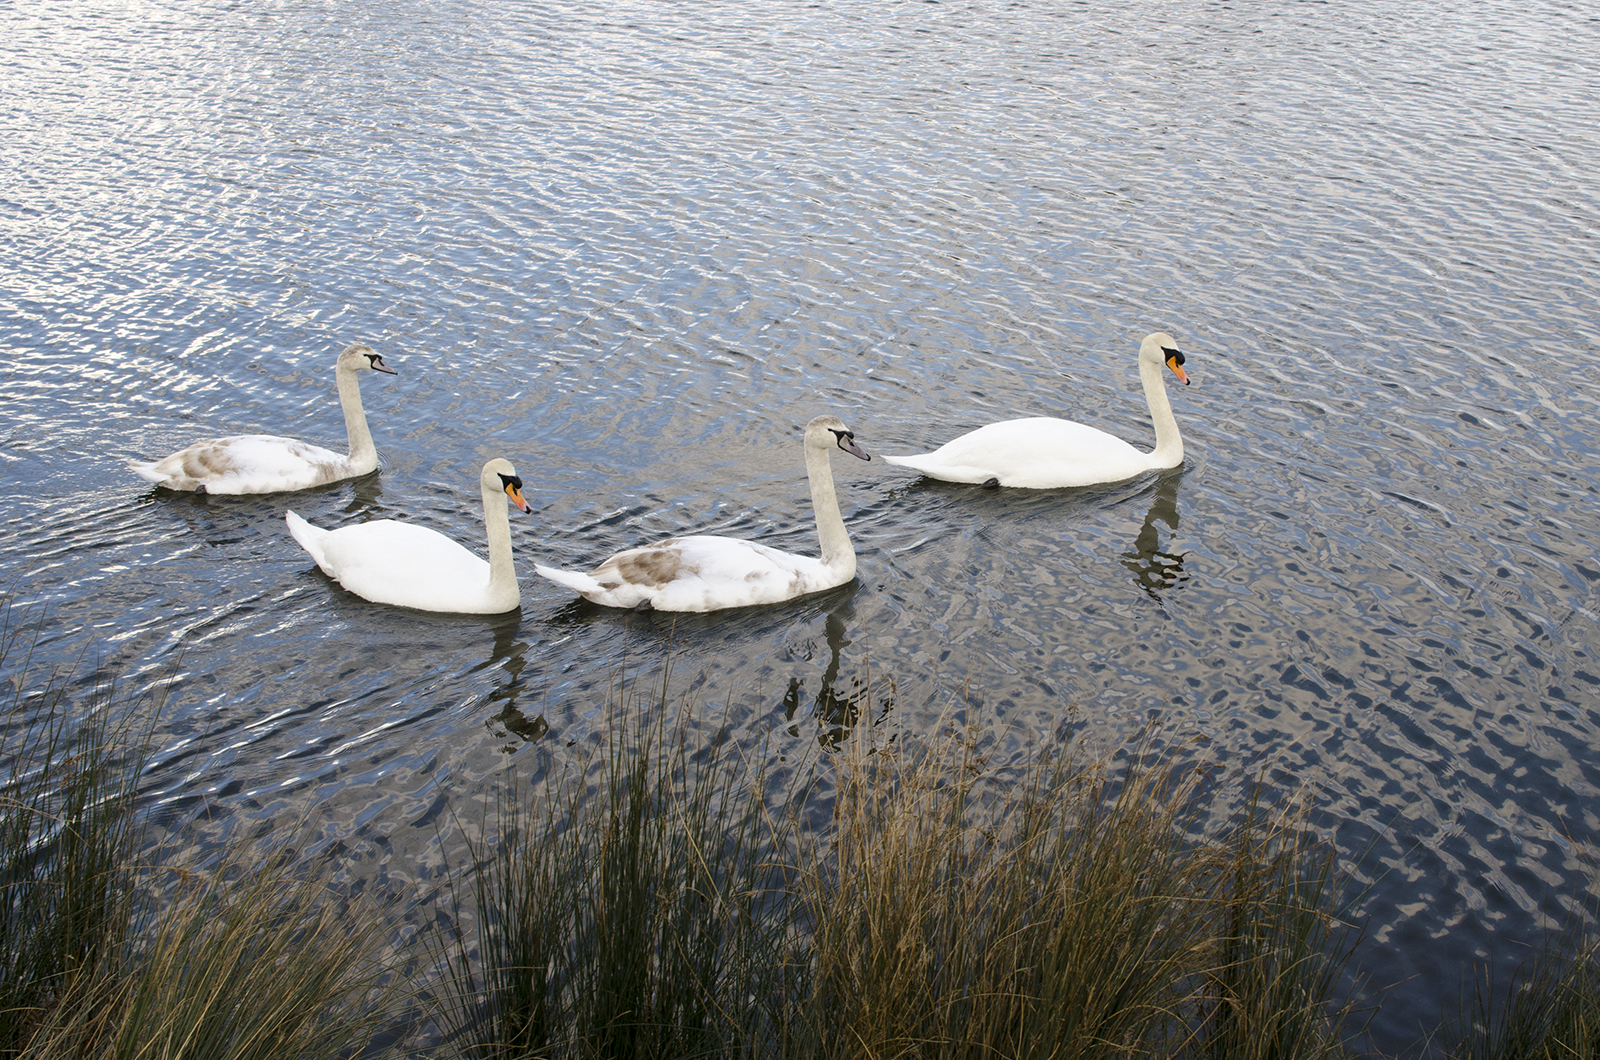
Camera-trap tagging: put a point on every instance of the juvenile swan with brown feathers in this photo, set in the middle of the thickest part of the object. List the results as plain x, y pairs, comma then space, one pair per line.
707, 573
390, 562
1046, 453
266, 463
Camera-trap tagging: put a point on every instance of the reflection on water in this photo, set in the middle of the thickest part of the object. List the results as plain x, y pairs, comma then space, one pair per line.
504, 719
1385, 580
836, 708
1153, 570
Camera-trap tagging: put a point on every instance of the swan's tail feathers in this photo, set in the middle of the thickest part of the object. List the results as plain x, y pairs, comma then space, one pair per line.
944, 472
310, 537
146, 470
575, 580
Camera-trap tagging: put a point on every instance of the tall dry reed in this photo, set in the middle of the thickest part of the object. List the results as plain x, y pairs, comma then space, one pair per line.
1550, 1010
113, 946
1079, 911
68, 785
620, 908
650, 905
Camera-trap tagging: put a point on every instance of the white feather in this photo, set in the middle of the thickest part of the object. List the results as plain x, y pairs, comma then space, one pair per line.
708, 573
266, 463
390, 562
1046, 453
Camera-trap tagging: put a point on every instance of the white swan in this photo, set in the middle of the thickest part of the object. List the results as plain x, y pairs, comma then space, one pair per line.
389, 562
1046, 453
708, 573
266, 463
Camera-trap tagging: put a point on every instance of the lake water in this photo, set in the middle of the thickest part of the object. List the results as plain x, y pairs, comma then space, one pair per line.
634, 247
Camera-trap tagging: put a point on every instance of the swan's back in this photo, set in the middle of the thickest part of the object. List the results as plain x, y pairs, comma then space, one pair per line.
246, 463
700, 573
1035, 453
390, 562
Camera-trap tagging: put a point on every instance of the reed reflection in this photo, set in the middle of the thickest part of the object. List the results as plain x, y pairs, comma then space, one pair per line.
1153, 570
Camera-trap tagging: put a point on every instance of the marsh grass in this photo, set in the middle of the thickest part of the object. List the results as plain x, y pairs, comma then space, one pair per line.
1080, 911
649, 904
249, 960
1055, 920
67, 839
1273, 992
669, 897
620, 911
113, 945
1551, 1010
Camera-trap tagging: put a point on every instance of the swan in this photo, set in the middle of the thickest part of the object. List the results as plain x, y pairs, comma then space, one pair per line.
390, 562
1046, 453
266, 463
707, 573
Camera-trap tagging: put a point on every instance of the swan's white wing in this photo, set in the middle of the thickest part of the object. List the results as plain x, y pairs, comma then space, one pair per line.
1036, 453
390, 562
246, 463
698, 573
717, 572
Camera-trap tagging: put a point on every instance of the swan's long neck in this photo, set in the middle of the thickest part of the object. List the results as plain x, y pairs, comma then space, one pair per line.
837, 552
502, 571
1169, 443
363, 454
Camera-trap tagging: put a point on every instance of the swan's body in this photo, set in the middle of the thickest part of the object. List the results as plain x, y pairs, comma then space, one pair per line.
1046, 453
266, 463
708, 573
389, 562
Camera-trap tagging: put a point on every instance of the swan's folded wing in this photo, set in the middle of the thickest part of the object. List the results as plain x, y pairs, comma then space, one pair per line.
713, 572
698, 573
245, 463
390, 562
1039, 453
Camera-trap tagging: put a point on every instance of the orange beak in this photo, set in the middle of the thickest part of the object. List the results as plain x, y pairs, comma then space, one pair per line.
1177, 370
516, 498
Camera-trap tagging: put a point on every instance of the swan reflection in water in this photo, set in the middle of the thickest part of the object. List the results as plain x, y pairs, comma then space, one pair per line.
836, 709
1153, 570
508, 722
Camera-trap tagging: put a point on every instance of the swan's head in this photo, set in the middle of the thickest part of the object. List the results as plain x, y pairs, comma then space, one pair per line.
826, 432
359, 357
500, 477
1161, 348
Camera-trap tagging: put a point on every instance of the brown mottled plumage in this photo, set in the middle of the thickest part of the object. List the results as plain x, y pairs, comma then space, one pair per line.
706, 573
266, 463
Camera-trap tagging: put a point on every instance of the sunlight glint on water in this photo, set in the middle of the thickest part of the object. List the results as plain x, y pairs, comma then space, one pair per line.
633, 248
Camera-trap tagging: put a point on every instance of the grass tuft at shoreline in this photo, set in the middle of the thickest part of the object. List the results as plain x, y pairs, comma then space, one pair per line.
664, 899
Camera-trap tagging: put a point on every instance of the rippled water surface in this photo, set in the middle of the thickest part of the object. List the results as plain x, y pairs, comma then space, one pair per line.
634, 247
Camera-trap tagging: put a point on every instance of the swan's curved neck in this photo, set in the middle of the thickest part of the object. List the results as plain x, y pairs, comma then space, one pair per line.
363, 454
837, 552
502, 571
1169, 443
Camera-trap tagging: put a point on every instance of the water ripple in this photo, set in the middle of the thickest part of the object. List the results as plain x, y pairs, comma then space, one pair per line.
634, 248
